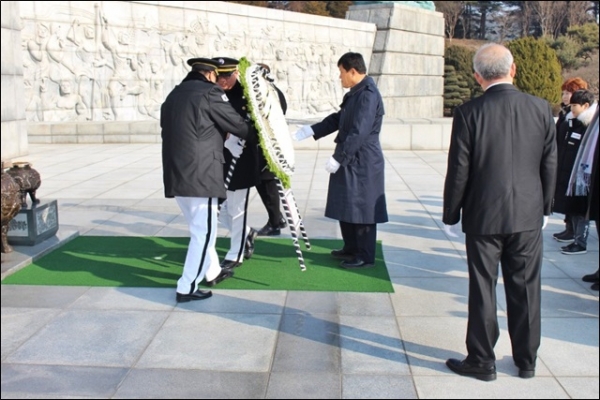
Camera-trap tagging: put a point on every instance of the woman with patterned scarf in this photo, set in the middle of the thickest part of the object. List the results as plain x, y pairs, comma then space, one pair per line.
584, 181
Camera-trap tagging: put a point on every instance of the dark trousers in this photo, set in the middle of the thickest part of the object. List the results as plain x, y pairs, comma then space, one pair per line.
269, 194
360, 240
520, 255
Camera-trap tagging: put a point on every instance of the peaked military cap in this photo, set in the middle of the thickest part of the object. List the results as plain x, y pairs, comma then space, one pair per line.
226, 65
205, 63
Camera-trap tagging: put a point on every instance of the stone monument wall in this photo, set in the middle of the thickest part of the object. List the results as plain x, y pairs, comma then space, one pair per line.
97, 72
14, 128
117, 60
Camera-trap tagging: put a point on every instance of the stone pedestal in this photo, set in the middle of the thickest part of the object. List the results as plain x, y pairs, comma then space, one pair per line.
34, 224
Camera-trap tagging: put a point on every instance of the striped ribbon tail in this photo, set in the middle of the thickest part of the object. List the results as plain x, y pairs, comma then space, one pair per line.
230, 174
292, 214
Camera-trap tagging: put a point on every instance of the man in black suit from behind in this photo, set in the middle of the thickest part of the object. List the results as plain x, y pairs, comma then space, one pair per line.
501, 176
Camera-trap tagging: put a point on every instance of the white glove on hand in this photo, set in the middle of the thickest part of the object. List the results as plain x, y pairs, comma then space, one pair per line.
451, 230
545, 221
303, 133
332, 165
234, 146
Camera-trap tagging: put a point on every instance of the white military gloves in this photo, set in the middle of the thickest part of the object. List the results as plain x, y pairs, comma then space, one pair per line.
303, 133
451, 230
234, 146
332, 165
545, 221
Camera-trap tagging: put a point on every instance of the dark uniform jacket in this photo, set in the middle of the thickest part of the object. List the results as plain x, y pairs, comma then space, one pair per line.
571, 133
194, 119
357, 190
246, 173
501, 163
565, 109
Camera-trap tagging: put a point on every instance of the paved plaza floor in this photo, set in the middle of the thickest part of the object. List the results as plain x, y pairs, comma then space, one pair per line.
98, 342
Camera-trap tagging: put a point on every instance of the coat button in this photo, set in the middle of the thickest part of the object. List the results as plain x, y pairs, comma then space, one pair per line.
243, 107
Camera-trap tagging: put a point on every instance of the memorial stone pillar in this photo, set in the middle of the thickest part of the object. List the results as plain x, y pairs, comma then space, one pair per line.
408, 57
14, 130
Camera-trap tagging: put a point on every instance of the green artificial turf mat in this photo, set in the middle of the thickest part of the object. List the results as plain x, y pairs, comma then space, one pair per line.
129, 261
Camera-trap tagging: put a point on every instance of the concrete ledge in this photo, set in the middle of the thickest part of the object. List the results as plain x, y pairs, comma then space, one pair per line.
397, 134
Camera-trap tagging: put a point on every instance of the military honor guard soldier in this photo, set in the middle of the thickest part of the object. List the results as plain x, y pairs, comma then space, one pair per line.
195, 120
246, 172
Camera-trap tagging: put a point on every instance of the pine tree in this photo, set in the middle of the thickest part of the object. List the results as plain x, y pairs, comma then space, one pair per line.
538, 68
452, 90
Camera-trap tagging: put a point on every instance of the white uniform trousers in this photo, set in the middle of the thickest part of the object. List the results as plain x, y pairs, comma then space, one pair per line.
201, 260
233, 218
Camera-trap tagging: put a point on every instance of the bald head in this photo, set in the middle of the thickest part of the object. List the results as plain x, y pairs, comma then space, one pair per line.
493, 63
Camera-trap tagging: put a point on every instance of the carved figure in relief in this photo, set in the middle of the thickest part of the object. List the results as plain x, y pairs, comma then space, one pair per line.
122, 65
90, 52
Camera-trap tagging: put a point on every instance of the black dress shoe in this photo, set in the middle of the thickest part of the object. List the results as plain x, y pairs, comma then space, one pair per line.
342, 255
465, 369
526, 373
268, 230
228, 264
356, 263
225, 273
591, 278
595, 286
197, 295
249, 250
282, 223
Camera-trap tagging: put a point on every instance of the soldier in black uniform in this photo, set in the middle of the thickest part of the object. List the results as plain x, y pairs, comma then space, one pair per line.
195, 120
246, 173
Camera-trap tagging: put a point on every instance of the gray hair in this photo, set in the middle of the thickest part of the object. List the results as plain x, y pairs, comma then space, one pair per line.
492, 61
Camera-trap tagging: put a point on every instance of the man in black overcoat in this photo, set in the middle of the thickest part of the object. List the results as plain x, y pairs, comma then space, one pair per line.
356, 193
501, 176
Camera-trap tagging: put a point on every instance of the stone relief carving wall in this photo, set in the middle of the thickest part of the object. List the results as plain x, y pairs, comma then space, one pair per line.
117, 61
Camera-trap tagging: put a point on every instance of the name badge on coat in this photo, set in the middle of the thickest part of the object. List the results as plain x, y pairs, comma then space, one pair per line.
576, 136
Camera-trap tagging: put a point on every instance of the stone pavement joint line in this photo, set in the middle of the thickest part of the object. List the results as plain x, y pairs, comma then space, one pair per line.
99, 342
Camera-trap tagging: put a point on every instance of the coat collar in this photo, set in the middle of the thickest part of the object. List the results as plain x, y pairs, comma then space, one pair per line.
367, 81
587, 116
195, 76
500, 87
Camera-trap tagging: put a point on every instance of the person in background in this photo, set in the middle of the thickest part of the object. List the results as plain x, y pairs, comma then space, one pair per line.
568, 87
584, 179
500, 176
267, 188
194, 120
356, 193
574, 207
234, 211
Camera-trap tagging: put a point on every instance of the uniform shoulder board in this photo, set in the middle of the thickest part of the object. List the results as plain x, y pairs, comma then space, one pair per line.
224, 97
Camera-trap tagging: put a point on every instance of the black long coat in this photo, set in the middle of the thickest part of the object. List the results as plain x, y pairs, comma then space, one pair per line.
194, 120
246, 173
571, 133
357, 190
501, 163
